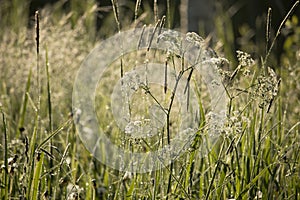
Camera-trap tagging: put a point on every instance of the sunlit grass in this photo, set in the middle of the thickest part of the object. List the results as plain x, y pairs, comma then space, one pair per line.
42, 156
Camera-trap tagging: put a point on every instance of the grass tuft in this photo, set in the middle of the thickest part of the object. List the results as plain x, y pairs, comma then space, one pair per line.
256, 155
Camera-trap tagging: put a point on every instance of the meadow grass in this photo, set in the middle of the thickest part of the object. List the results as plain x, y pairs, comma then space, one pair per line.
42, 156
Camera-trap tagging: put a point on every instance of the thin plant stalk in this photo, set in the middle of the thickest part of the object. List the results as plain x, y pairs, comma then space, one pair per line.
279, 31
155, 8
136, 10
37, 39
50, 125
6, 186
24, 105
169, 13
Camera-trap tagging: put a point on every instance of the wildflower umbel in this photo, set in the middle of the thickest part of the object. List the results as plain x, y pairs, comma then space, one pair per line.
267, 88
245, 61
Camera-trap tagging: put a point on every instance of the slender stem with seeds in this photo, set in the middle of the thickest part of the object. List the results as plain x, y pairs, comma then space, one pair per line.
155, 11
268, 28
279, 31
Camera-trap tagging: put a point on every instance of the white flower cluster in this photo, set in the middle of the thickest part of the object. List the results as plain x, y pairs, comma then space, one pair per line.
216, 122
139, 128
216, 61
244, 59
267, 87
173, 41
131, 82
235, 123
194, 38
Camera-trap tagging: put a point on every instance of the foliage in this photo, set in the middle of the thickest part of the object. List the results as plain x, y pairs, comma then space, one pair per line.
257, 156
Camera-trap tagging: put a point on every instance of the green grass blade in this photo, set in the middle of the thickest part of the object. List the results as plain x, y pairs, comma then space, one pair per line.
57, 131
36, 177
24, 104
253, 181
32, 150
129, 194
50, 128
6, 186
